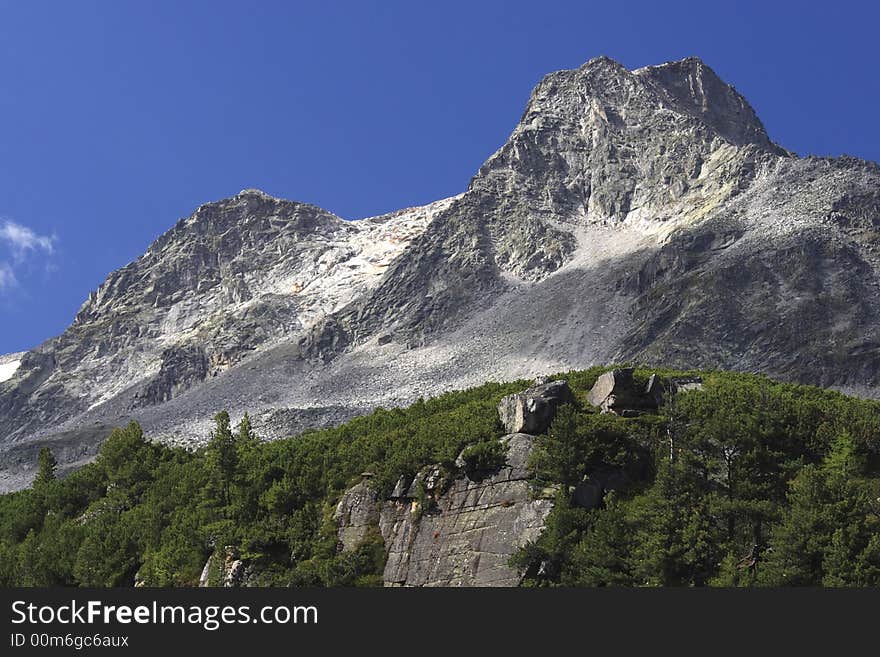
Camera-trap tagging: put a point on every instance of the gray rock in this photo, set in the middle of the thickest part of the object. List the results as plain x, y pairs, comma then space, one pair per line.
685, 384
400, 488
532, 410
232, 572
206, 572
427, 479
182, 367
356, 512
473, 530
614, 391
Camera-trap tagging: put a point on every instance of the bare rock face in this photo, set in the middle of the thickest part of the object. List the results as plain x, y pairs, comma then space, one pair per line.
356, 513
532, 410
471, 530
685, 384
181, 368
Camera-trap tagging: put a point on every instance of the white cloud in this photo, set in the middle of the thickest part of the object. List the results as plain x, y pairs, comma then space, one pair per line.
7, 277
20, 245
22, 239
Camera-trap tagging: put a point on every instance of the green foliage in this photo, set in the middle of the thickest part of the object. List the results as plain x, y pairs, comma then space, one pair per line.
745, 462
747, 482
158, 513
578, 442
223, 453
46, 465
483, 457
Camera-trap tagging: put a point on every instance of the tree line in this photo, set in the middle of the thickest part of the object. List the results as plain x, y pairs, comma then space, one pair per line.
749, 482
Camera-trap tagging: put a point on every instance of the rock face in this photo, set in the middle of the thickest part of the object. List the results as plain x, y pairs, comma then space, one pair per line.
181, 368
632, 215
356, 513
472, 529
532, 410
460, 529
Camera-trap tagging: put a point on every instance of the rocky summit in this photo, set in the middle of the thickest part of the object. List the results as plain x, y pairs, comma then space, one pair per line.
638, 215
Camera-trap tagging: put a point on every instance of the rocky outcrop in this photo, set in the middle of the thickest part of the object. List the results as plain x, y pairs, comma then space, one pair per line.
470, 529
616, 391
532, 410
356, 512
460, 527
655, 391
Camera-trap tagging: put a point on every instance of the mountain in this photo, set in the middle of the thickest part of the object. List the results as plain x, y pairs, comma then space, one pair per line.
638, 215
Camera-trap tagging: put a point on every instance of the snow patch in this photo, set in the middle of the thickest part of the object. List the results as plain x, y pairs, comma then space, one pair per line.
9, 364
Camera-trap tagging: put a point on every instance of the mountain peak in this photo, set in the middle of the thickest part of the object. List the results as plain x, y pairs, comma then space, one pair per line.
691, 86
253, 191
602, 61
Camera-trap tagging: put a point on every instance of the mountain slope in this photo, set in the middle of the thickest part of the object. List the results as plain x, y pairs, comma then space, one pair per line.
631, 215
742, 481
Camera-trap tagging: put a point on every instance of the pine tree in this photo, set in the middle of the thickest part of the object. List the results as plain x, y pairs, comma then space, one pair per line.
562, 457
246, 435
825, 536
46, 465
223, 453
602, 556
676, 541
799, 541
847, 458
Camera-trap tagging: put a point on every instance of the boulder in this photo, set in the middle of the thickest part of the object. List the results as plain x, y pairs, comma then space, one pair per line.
234, 575
614, 391
356, 513
532, 410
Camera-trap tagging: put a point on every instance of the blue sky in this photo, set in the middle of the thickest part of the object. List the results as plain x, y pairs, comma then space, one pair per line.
119, 117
